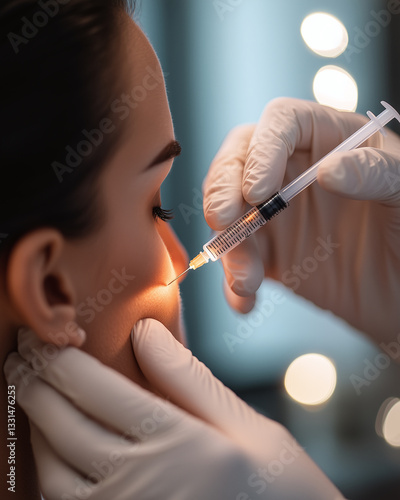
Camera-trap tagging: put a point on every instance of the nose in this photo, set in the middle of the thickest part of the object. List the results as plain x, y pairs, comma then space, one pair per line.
176, 250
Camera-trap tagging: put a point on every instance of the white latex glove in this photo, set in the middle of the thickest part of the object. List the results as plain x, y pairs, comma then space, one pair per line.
342, 254
213, 447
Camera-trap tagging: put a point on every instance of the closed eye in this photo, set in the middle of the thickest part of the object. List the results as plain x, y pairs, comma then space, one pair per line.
161, 214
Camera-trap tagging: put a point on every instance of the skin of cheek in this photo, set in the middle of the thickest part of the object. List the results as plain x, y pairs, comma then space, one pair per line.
140, 292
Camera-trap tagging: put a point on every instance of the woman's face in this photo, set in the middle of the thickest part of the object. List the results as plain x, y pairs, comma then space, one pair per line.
122, 270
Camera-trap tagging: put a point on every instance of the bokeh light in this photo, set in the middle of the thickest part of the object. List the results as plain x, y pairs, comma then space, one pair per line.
388, 421
335, 87
311, 379
324, 34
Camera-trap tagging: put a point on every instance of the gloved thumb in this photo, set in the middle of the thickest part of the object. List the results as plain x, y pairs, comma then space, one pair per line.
172, 368
184, 380
363, 174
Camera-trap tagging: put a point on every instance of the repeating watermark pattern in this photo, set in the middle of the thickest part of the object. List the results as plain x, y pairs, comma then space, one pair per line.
104, 297
261, 312
120, 109
11, 440
373, 369
379, 20
31, 27
223, 7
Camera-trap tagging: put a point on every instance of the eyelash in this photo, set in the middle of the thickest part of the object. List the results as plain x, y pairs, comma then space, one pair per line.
161, 214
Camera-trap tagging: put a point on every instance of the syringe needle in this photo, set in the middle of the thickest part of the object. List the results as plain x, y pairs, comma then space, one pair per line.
184, 272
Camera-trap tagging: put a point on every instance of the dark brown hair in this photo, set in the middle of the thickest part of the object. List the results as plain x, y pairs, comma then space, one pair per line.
61, 63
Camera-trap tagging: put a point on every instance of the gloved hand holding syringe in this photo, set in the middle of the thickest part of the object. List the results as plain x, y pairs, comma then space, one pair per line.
258, 216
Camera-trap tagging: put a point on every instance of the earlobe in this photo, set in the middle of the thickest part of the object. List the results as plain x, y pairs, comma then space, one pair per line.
39, 284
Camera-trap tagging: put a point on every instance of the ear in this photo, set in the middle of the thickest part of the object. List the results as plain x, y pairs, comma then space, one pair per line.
40, 286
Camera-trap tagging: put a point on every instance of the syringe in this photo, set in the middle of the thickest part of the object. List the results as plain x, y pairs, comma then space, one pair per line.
255, 218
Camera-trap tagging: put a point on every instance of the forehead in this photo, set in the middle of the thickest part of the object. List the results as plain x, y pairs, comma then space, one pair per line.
143, 106
145, 80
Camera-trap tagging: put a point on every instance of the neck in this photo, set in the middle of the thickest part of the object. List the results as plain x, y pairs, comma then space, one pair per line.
18, 475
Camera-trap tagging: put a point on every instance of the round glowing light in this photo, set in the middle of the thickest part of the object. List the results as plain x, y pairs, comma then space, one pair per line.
311, 379
324, 34
336, 88
388, 421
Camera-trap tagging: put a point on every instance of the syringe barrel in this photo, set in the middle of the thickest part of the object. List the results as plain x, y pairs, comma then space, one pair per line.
244, 227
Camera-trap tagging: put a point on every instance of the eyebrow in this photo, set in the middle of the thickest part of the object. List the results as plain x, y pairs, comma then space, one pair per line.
172, 150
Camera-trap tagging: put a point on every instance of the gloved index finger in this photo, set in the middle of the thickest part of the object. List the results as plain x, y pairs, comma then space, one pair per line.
287, 125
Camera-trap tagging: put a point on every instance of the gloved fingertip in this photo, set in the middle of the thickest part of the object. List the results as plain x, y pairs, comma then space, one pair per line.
10, 368
157, 351
27, 342
241, 304
147, 333
139, 332
240, 288
244, 305
244, 282
24, 333
71, 335
80, 337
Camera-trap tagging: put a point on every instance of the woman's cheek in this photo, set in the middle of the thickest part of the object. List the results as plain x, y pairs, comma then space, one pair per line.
133, 263
152, 297
134, 289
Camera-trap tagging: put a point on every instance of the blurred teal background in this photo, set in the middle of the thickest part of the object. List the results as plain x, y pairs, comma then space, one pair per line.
222, 66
